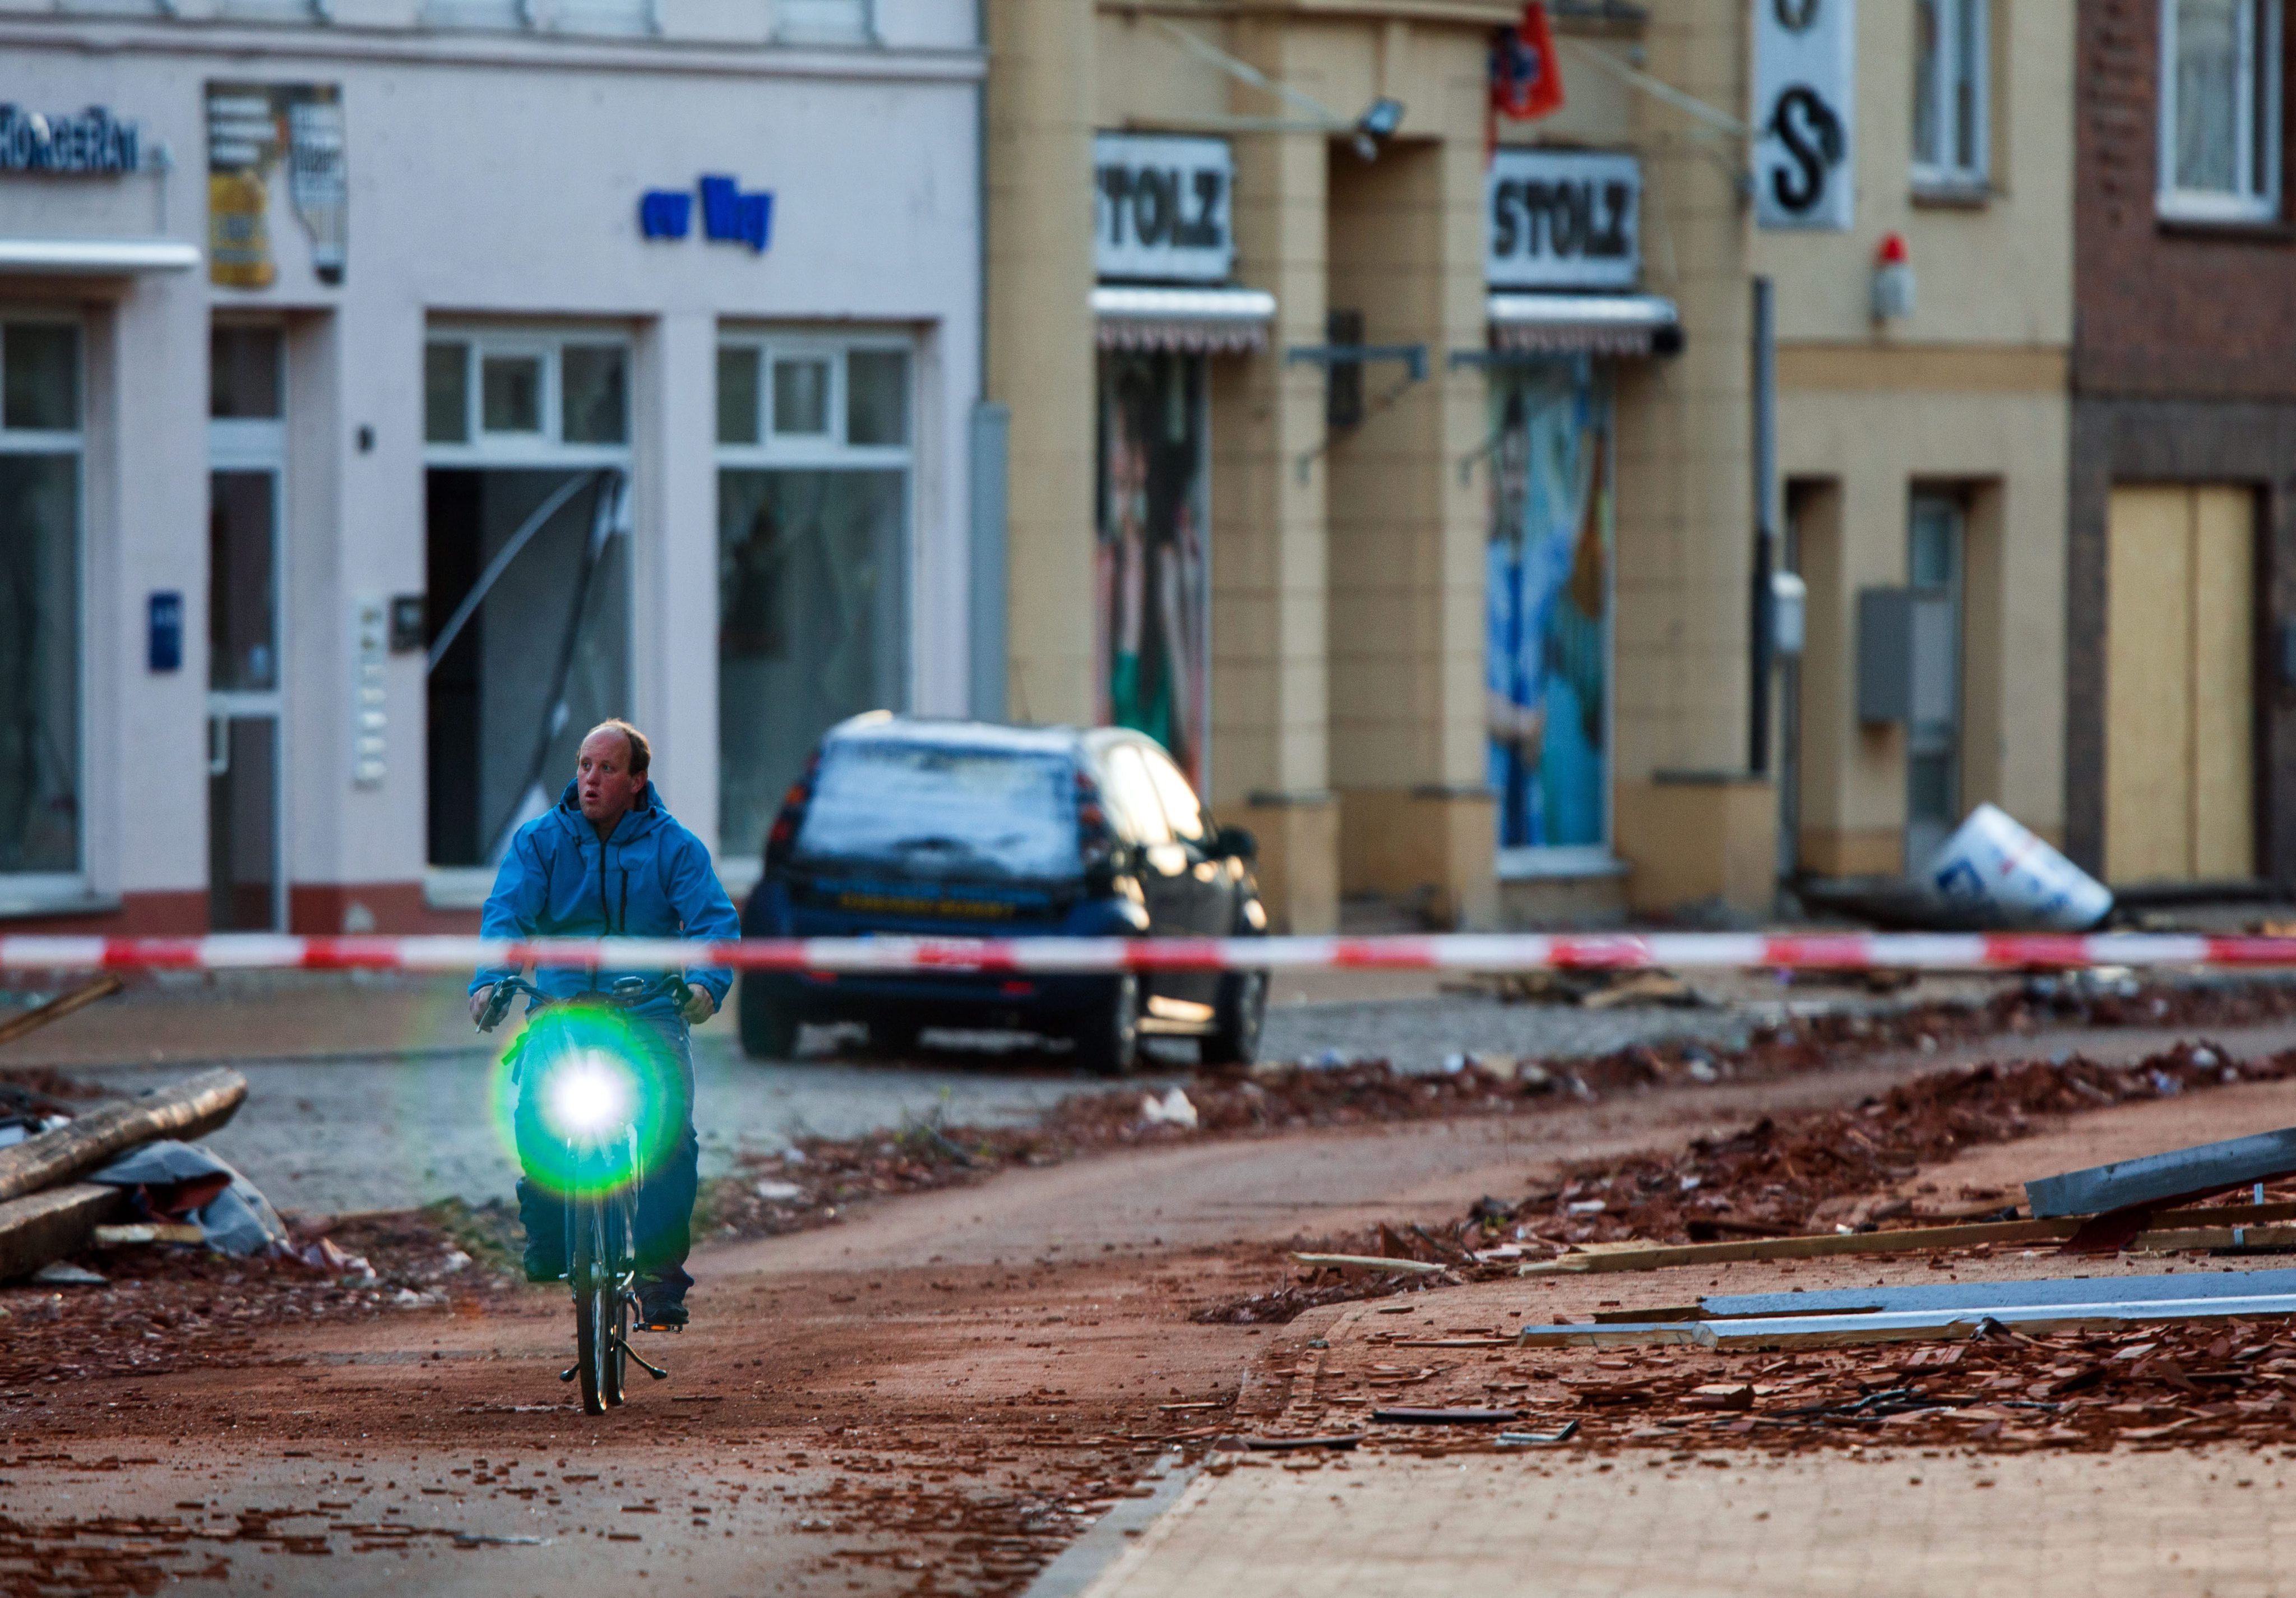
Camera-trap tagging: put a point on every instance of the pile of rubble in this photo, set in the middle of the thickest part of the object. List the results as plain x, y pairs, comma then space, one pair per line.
1830, 1167
819, 1178
1855, 1169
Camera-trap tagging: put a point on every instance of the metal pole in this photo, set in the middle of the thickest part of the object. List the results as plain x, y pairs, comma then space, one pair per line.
1766, 527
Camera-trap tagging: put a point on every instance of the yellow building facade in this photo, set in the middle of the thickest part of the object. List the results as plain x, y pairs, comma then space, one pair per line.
1406, 491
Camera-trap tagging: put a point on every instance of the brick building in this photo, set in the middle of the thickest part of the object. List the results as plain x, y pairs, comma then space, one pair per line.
2180, 729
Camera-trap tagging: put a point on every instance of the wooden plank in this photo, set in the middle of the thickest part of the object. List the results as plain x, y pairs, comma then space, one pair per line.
2223, 629
47, 1226
1602, 1258
1372, 1262
188, 1108
2148, 696
1598, 1259
2174, 1240
60, 1006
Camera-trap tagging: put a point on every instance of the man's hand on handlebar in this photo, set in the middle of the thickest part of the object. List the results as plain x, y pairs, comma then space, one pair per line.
699, 1006
479, 1003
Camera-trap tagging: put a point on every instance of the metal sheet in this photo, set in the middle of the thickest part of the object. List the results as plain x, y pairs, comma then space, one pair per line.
2203, 1168
1952, 1323
1981, 1295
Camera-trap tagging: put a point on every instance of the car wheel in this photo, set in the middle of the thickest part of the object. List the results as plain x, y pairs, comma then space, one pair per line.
768, 1029
1243, 1006
1108, 1039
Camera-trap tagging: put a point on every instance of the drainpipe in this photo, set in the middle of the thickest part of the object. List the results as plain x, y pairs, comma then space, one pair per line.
1766, 527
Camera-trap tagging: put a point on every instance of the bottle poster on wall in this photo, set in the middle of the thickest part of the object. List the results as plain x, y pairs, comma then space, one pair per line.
1547, 605
256, 132
1152, 573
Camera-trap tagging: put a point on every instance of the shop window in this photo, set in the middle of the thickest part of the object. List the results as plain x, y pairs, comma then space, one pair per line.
40, 643
528, 503
1153, 572
1547, 596
2220, 88
1950, 87
814, 488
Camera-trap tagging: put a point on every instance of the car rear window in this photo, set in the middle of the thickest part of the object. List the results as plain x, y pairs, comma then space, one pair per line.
943, 810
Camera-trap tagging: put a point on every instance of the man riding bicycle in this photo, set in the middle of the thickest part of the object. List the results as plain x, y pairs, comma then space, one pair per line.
609, 860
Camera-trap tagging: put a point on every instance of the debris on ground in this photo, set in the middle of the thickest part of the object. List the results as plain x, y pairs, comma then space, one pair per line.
1774, 1187
1598, 988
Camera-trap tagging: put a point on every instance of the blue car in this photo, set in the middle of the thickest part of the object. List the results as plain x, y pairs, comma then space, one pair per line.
916, 828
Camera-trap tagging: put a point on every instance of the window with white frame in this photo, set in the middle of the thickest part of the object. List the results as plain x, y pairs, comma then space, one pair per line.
814, 480
626, 17
1951, 76
526, 450
825, 21
2220, 91
41, 650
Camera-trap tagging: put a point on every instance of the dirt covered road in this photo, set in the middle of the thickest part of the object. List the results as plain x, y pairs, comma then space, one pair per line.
930, 1394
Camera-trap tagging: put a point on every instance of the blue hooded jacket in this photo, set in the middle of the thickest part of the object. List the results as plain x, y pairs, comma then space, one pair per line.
650, 880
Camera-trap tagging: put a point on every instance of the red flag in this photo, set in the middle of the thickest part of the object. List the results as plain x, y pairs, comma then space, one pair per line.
1526, 76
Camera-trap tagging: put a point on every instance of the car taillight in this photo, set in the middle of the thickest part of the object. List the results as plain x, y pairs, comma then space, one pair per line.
1096, 839
782, 836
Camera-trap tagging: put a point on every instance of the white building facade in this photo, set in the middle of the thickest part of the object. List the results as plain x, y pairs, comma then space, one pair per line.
395, 388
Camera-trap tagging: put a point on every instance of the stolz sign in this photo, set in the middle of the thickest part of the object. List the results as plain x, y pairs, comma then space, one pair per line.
1563, 219
1805, 64
1160, 207
90, 143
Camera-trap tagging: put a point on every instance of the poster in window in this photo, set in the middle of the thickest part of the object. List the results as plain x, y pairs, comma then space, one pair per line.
1547, 606
1153, 577
258, 132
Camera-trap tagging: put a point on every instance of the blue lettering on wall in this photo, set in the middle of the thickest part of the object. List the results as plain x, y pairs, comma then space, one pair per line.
732, 217
665, 214
728, 215
94, 143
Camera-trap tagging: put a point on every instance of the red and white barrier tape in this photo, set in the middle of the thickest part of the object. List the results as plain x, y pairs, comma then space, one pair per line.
1455, 952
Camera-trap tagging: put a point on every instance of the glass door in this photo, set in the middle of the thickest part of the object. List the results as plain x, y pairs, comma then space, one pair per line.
247, 889
1933, 746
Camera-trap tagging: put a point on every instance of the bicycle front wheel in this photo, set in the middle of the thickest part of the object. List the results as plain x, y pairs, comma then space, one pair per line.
600, 1314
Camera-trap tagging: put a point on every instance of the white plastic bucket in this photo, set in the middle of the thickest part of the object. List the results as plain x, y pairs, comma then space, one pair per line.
1993, 870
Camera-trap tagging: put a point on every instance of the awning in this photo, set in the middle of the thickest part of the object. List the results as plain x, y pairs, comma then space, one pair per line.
101, 258
1198, 321
1585, 324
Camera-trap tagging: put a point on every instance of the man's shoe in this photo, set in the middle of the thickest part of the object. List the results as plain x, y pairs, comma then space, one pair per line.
541, 1267
660, 1312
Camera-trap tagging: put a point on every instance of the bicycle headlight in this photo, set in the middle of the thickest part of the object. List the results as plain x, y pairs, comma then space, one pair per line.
588, 1094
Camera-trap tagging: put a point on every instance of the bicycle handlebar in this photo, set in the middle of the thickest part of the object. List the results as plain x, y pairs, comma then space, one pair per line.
626, 993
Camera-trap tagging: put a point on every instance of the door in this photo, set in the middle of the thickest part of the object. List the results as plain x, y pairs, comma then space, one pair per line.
2179, 767
1937, 527
247, 890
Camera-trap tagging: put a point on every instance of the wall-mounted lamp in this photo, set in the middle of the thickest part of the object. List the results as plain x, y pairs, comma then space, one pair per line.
1893, 280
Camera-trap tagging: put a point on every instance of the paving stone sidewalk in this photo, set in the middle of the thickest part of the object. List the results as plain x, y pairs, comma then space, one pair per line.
1885, 1524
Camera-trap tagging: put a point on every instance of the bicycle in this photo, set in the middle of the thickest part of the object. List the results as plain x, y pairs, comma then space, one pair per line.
592, 1113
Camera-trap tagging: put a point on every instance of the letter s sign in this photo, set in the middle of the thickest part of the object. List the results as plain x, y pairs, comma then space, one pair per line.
1805, 78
